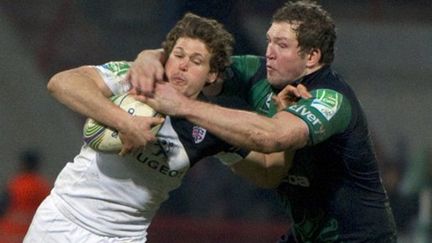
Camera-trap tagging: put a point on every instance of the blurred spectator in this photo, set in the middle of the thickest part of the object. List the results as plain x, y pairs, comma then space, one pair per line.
418, 182
23, 194
404, 206
404, 203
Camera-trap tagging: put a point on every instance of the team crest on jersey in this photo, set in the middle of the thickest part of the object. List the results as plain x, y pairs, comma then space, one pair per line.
198, 134
327, 102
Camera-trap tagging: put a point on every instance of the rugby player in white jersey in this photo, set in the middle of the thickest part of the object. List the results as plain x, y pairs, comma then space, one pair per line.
102, 197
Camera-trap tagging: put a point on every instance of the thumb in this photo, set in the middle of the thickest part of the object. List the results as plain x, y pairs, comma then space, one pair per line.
304, 93
138, 97
157, 119
289, 92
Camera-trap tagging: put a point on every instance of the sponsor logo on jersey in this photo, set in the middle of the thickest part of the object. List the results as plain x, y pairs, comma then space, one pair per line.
167, 146
198, 134
303, 111
327, 102
155, 157
158, 165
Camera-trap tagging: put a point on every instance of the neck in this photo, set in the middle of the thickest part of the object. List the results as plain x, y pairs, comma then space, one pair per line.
313, 69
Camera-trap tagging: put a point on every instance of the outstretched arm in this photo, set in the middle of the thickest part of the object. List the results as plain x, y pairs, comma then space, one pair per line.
84, 91
241, 128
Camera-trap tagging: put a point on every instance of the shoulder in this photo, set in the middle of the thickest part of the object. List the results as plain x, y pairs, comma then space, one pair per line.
243, 73
247, 65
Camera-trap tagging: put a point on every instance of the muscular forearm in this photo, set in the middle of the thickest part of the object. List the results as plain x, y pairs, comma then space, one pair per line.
241, 128
79, 90
265, 170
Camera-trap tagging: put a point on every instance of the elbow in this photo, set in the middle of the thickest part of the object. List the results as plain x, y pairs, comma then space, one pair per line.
54, 84
278, 141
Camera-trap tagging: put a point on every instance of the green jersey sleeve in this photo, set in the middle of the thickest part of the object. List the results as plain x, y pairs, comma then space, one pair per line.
326, 114
238, 76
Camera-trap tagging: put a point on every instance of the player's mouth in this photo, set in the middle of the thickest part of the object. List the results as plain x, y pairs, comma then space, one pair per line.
178, 80
270, 68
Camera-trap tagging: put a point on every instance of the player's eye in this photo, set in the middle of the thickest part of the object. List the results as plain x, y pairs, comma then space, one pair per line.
197, 61
282, 45
178, 54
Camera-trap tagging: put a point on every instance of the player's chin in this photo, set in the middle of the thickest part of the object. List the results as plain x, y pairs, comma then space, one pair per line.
276, 81
182, 88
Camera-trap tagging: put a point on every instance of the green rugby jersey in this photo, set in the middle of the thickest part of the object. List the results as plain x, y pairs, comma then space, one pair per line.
333, 191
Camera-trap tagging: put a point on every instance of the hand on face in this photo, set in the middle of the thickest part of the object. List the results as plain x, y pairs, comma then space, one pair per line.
144, 72
289, 95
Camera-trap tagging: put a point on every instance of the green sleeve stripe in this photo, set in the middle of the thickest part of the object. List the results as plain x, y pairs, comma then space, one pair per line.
118, 68
326, 114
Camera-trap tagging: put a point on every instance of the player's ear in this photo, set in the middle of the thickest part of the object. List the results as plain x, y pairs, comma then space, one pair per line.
211, 78
313, 57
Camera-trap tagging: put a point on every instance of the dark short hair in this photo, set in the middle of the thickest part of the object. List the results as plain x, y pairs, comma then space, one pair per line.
218, 40
316, 28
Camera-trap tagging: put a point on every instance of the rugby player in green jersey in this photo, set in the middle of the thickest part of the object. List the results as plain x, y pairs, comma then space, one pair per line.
332, 187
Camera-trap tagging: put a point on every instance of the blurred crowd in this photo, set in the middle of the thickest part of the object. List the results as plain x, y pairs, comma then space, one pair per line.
210, 190
19, 199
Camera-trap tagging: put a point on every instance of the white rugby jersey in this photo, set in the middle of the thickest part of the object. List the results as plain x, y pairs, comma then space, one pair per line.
118, 196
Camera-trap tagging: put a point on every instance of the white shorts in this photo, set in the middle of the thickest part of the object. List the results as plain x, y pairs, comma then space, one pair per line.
50, 226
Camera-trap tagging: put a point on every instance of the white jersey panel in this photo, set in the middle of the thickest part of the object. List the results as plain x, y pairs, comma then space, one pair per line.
118, 196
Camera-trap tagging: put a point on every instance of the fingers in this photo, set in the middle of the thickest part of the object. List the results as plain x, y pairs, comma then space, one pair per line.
134, 79
289, 95
303, 92
294, 93
128, 148
125, 150
142, 81
159, 74
278, 102
157, 120
290, 92
134, 141
140, 98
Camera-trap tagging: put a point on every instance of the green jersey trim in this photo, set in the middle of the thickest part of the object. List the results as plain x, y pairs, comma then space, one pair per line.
114, 75
117, 68
249, 65
326, 114
238, 76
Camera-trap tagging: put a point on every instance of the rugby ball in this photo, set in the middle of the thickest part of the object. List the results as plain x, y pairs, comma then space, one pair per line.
104, 139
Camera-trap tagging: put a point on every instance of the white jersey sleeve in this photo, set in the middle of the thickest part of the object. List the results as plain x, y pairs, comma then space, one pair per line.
114, 74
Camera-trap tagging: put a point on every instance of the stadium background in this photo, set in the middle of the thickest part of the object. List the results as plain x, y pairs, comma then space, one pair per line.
384, 50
